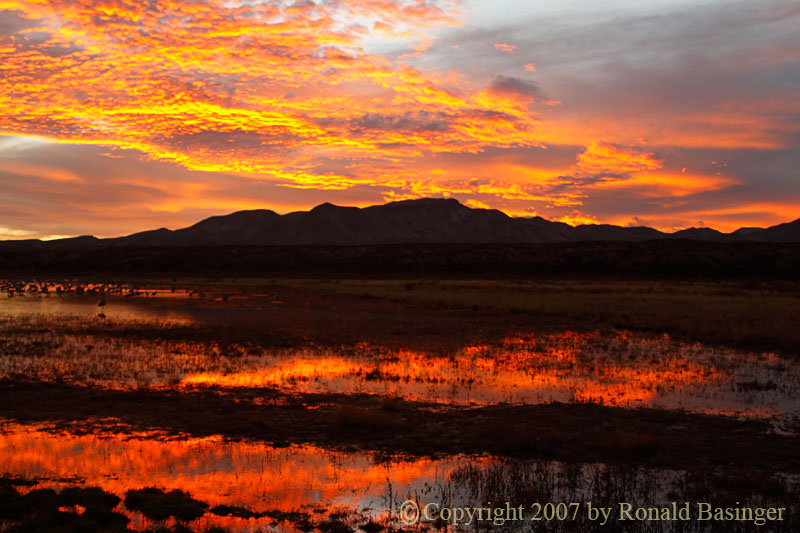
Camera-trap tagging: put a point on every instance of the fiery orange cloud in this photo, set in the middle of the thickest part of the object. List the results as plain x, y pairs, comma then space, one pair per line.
604, 157
245, 88
733, 217
668, 184
577, 219
493, 189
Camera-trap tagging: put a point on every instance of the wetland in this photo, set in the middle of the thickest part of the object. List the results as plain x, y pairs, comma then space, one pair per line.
290, 404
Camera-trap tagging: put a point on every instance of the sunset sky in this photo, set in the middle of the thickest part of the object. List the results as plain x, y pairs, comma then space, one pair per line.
125, 115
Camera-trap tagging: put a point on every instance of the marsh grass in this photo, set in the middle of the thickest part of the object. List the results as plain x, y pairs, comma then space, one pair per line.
620, 368
608, 485
748, 312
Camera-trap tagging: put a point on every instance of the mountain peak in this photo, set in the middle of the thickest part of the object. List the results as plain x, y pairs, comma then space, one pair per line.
325, 206
426, 203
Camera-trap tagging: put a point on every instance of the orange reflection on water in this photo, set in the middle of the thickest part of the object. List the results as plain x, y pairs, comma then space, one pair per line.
621, 369
295, 370
216, 471
563, 367
625, 386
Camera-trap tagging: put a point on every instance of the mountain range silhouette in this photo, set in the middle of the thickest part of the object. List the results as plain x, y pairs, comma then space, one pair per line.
427, 220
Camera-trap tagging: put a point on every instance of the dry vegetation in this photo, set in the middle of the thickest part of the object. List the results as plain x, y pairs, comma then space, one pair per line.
735, 313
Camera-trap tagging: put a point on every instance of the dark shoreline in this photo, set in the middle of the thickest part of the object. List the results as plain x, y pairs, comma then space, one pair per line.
656, 259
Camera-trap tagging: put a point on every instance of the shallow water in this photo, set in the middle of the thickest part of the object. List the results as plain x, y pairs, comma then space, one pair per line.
174, 306
118, 307
252, 475
623, 370
319, 482
620, 369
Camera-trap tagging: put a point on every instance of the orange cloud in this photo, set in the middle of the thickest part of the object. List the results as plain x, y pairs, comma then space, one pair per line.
605, 158
576, 219
733, 128
504, 47
668, 184
249, 89
733, 217
40, 171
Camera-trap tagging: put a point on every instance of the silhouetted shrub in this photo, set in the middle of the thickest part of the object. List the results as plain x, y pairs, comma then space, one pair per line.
157, 505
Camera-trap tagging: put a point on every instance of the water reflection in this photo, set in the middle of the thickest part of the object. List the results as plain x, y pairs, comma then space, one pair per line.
140, 307
622, 369
131, 302
316, 481
252, 475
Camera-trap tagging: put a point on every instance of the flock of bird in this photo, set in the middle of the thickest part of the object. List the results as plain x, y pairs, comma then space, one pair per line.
45, 287
100, 290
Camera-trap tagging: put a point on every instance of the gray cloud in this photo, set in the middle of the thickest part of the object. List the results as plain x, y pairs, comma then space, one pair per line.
516, 86
420, 121
12, 22
688, 57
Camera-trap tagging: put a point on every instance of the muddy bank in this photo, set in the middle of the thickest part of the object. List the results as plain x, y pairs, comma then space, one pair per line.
565, 432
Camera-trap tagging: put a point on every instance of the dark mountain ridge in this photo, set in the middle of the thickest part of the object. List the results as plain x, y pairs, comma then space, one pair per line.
423, 221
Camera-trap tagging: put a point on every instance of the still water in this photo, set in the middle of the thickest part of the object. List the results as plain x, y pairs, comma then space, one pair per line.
307, 479
251, 475
61, 338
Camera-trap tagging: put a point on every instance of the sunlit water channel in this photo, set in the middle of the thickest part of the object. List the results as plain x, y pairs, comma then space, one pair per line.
622, 369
